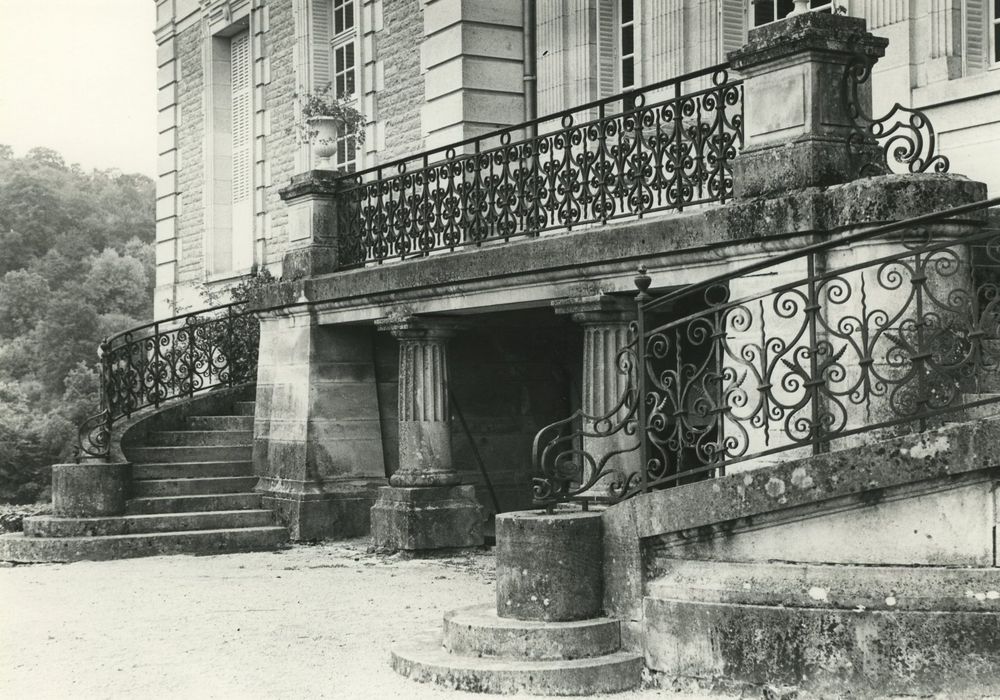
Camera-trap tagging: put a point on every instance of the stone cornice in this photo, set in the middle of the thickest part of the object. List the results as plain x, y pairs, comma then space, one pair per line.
313, 182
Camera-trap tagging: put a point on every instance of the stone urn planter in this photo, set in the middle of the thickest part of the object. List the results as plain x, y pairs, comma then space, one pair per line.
324, 132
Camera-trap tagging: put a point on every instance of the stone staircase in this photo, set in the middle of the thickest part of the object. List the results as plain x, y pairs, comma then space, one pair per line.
482, 652
192, 493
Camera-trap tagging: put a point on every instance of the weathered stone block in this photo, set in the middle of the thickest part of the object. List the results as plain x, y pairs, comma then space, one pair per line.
549, 567
90, 489
436, 517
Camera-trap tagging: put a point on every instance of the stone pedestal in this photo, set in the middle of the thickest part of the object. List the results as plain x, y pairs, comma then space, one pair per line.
550, 567
427, 517
313, 217
317, 435
605, 320
425, 508
90, 489
798, 129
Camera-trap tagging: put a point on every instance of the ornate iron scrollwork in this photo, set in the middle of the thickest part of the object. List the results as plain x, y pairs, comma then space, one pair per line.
169, 359
906, 135
666, 146
898, 337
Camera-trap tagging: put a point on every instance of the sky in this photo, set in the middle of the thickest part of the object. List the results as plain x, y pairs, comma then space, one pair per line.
79, 76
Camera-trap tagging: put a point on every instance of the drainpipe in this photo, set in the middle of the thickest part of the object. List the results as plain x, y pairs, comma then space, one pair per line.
530, 76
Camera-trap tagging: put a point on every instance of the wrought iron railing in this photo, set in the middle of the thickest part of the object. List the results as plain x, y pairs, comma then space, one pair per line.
905, 135
668, 145
169, 359
885, 331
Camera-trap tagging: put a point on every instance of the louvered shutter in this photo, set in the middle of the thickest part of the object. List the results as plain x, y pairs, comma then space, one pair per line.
242, 132
322, 33
732, 26
607, 49
975, 36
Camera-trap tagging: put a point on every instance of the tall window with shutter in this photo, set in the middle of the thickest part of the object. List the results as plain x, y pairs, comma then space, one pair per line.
242, 151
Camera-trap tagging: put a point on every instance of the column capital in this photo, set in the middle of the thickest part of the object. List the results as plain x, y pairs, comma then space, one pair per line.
420, 327
596, 309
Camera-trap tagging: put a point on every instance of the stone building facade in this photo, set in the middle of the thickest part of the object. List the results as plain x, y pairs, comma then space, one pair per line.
428, 73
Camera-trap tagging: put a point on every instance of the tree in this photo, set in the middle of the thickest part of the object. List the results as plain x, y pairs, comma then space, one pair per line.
46, 156
24, 297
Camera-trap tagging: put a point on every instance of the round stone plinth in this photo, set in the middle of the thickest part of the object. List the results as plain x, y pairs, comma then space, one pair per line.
549, 567
90, 489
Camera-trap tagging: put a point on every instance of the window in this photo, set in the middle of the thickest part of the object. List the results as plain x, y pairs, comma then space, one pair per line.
344, 46
343, 70
627, 44
343, 16
767, 11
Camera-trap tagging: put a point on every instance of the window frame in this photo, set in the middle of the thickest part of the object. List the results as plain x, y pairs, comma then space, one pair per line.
347, 158
815, 6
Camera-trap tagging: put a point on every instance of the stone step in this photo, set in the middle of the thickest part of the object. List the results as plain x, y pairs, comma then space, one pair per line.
208, 438
192, 504
19, 548
424, 659
829, 586
190, 470
191, 487
49, 526
479, 631
244, 408
220, 422
202, 453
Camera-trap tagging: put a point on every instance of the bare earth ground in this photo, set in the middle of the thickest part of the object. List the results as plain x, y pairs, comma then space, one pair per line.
311, 621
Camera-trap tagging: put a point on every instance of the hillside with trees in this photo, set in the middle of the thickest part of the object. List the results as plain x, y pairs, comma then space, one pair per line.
76, 265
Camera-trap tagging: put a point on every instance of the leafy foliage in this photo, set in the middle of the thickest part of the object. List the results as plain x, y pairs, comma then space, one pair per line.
76, 264
323, 103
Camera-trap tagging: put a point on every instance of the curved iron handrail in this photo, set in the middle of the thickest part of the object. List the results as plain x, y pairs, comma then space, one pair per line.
899, 339
168, 359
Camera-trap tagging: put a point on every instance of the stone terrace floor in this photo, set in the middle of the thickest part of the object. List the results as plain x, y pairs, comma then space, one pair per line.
311, 621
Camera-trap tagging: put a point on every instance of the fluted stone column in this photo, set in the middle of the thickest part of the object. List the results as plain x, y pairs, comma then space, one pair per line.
425, 507
424, 420
605, 320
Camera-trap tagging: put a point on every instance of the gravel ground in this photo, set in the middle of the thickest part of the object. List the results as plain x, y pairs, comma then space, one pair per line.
311, 621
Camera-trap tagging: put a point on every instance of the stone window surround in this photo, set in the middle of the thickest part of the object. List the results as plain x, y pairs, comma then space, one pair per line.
222, 27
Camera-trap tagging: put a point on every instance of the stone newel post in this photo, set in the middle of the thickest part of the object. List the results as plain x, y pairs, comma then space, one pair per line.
605, 320
425, 507
313, 215
797, 122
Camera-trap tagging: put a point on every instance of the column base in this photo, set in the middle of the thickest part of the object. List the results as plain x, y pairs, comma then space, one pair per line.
432, 517
331, 515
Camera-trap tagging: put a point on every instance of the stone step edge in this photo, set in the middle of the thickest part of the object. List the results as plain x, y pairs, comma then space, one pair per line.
15, 547
193, 479
478, 630
141, 520
424, 659
824, 586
